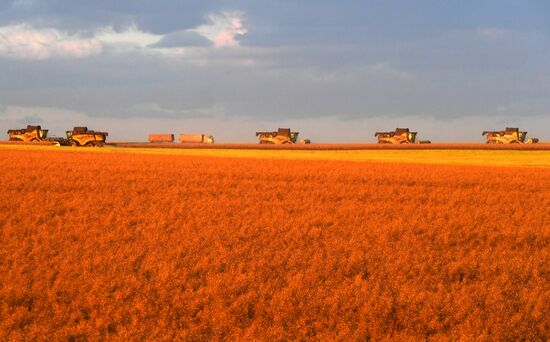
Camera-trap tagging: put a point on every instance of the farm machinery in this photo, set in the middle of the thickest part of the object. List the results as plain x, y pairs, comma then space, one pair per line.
161, 138
33, 134
29, 134
79, 136
509, 136
196, 138
281, 136
82, 136
399, 136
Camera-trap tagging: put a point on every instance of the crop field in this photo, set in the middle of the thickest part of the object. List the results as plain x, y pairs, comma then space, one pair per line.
339, 147
132, 244
453, 156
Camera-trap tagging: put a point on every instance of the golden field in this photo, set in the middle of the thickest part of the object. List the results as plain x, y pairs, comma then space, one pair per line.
133, 244
515, 158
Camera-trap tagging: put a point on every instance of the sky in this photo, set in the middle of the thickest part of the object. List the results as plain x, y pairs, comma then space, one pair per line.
336, 71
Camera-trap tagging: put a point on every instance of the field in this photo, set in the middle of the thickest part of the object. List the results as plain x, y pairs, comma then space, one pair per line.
274, 245
339, 147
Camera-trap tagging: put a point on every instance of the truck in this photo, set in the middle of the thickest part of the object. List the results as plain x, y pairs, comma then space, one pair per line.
281, 136
399, 136
82, 136
160, 138
511, 135
196, 138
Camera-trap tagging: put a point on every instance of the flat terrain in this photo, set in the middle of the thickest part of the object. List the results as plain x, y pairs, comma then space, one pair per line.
273, 245
338, 147
542, 146
454, 156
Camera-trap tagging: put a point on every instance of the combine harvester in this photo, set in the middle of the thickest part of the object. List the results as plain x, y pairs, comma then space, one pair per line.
33, 134
196, 138
82, 136
508, 136
399, 136
280, 137
29, 134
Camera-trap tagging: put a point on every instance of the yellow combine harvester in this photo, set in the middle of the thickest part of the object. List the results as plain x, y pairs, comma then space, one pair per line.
509, 136
81, 136
399, 136
29, 134
282, 136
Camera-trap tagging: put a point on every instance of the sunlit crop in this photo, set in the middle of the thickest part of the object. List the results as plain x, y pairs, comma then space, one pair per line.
178, 245
450, 156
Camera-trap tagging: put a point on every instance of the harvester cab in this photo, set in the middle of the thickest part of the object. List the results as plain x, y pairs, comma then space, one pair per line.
281, 136
29, 134
399, 136
82, 136
511, 135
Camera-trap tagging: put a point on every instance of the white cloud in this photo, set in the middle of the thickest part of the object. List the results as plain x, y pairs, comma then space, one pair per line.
25, 42
223, 29
131, 37
490, 33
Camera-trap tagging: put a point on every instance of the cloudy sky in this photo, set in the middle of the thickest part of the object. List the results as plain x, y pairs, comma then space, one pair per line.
333, 70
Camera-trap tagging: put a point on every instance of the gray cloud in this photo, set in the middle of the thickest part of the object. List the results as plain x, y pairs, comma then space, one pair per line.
284, 82
30, 120
154, 110
155, 16
182, 39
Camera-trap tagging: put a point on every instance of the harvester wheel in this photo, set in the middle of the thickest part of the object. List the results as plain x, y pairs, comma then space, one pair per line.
74, 143
90, 144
